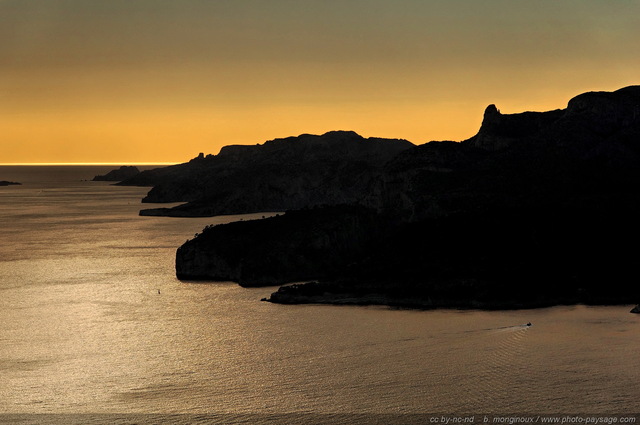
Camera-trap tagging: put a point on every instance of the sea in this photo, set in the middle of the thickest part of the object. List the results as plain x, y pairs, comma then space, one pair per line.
95, 328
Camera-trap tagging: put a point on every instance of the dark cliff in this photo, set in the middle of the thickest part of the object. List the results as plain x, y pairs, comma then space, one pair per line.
538, 208
281, 174
586, 151
515, 258
299, 245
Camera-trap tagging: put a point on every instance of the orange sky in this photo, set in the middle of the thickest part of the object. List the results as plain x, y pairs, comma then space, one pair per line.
161, 80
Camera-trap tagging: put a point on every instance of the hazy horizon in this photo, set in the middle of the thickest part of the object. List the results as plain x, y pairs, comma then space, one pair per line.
160, 81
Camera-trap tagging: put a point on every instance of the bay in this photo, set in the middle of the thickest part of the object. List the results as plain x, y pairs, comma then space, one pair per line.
93, 320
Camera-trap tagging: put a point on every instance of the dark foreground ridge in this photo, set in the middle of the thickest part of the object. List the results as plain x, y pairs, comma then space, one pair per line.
537, 209
6, 183
122, 173
517, 258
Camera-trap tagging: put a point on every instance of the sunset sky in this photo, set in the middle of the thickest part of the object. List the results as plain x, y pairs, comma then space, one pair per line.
131, 81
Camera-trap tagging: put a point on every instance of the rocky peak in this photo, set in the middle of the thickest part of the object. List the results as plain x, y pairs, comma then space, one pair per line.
499, 131
491, 114
587, 116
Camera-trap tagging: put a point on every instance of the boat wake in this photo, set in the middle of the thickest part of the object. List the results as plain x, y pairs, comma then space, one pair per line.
511, 328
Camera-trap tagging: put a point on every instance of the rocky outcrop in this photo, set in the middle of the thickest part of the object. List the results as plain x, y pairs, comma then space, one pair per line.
282, 174
590, 119
636, 309
122, 173
500, 131
296, 246
583, 152
7, 183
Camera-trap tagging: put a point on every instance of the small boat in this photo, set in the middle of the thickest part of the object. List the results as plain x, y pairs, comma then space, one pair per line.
528, 323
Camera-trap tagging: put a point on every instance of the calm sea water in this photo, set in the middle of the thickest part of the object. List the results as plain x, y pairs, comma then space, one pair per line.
93, 320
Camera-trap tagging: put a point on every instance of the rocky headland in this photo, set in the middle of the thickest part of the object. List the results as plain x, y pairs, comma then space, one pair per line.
282, 174
297, 246
119, 174
536, 209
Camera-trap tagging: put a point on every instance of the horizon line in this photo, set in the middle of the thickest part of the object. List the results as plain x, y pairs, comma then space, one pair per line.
3, 164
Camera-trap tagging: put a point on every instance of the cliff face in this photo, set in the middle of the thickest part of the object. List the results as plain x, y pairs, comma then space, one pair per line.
500, 131
590, 119
300, 245
282, 174
513, 258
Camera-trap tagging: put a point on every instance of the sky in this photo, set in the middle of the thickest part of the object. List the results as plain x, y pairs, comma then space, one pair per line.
159, 81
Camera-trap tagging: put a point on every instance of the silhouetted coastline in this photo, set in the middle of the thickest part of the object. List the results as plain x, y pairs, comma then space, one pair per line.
279, 175
537, 209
